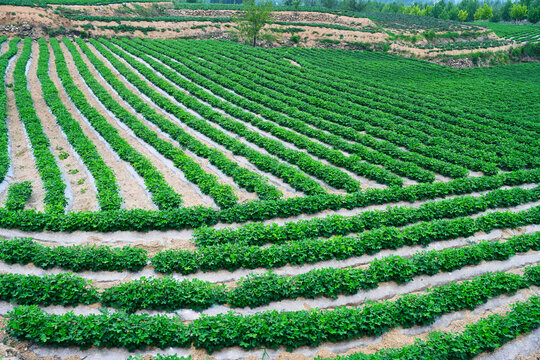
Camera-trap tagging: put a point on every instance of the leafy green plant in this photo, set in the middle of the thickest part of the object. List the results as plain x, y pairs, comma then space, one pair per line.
18, 195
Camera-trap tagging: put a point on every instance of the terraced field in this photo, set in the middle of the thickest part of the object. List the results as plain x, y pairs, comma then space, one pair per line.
208, 198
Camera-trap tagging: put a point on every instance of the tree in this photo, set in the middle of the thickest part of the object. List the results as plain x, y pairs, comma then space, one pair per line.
463, 15
483, 13
518, 12
505, 11
534, 15
253, 19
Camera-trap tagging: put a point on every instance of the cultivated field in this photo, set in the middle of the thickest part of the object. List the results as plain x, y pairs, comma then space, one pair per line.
212, 199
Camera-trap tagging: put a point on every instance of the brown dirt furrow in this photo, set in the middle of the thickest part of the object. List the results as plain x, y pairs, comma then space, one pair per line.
22, 160
141, 199
130, 189
79, 178
191, 198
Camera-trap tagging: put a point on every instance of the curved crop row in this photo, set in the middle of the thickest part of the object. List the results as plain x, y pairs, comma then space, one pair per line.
162, 194
108, 191
329, 174
254, 290
50, 173
384, 153
243, 177
4, 140
366, 118
315, 61
266, 163
335, 157
194, 217
233, 256
259, 234
223, 195
269, 329
470, 133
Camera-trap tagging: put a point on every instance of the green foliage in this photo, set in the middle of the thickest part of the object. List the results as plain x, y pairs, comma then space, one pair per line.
47, 167
463, 15
162, 194
74, 258
483, 336
4, 142
259, 234
518, 11
484, 12
108, 191
269, 329
18, 195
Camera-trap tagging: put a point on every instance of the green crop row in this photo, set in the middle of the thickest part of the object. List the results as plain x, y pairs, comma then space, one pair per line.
381, 114
223, 195
325, 131
329, 174
162, 194
301, 141
107, 189
243, 177
418, 98
266, 163
259, 234
362, 153
313, 62
363, 116
50, 173
75, 258
4, 140
269, 329
233, 256
257, 290
194, 217
18, 195
485, 335
432, 123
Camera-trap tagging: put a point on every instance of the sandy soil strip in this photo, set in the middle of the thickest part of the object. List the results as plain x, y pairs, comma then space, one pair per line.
143, 198
22, 159
185, 186
130, 188
77, 176
286, 189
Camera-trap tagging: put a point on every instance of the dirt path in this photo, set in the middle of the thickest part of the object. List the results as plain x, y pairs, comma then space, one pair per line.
22, 159
130, 189
142, 199
241, 161
191, 195
79, 180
